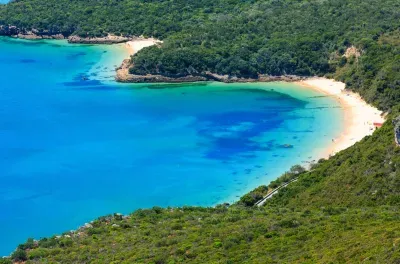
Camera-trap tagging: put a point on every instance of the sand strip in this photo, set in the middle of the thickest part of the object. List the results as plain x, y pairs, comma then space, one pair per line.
134, 46
359, 117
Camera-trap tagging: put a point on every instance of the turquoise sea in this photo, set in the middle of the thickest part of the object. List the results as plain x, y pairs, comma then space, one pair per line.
74, 145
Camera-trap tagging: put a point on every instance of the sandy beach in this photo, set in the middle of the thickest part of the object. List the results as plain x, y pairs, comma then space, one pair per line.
131, 48
359, 116
134, 46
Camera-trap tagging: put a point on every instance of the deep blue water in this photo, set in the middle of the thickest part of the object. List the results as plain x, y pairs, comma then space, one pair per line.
73, 149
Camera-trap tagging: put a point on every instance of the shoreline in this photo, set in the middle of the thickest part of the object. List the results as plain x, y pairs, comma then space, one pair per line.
353, 106
359, 117
134, 46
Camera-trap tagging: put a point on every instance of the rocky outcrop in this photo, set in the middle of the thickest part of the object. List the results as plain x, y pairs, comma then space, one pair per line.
123, 72
32, 35
160, 78
13, 31
124, 76
227, 78
352, 51
8, 30
282, 78
110, 39
260, 78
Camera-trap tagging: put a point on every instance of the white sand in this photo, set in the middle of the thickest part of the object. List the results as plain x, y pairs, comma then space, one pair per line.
359, 116
134, 46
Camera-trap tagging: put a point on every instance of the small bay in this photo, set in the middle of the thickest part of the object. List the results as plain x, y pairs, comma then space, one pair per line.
75, 145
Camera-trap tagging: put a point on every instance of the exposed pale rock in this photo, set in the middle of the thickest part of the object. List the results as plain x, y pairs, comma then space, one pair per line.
109, 39
352, 51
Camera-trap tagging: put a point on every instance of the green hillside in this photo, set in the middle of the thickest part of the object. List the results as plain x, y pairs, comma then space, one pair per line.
232, 235
345, 210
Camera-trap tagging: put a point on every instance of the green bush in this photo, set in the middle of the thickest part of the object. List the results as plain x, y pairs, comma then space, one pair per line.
38, 253
19, 255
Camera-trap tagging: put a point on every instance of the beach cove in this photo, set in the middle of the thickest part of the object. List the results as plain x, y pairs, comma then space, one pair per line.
77, 145
360, 118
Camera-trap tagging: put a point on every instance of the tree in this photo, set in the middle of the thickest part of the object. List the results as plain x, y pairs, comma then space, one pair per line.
19, 255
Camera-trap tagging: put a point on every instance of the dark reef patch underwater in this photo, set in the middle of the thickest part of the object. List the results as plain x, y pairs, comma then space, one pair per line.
76, 145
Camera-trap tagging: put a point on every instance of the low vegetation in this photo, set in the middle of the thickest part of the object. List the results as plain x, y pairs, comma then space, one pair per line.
232, 235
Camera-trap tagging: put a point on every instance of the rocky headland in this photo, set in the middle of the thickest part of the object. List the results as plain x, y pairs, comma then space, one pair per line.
123, 75
123, 72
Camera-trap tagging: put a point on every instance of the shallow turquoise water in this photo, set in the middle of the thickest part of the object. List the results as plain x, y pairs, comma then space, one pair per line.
73, 149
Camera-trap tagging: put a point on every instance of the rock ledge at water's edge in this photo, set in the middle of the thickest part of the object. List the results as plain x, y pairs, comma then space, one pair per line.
35, 34
124, 76
15, 32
